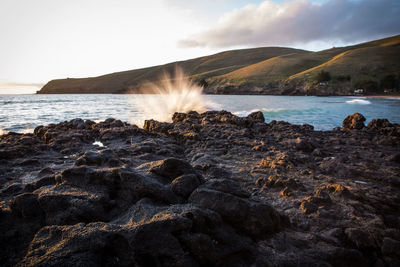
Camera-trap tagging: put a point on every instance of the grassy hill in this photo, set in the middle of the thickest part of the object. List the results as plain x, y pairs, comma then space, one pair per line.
131, 81
261, 70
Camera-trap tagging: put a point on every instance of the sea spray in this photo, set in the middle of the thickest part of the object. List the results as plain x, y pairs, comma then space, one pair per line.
161, 100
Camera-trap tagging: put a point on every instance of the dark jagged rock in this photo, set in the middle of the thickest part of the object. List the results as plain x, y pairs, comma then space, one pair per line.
378, 124
185, 184
210, 189
99, 158
249, 216
257, 116
171, 168
355, 121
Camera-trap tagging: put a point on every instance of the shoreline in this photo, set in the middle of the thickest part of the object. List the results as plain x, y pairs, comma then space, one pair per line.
368, 96
382, 96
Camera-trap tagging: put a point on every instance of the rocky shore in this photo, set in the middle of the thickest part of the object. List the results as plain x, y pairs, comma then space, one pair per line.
209, 189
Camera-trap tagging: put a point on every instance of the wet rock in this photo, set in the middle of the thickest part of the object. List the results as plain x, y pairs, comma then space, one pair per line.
12, 189
26, 205
204, 162
28, 140
190, 117
378, 124
334, 235
155, 126
333, 189
228, 186
99, 244
391, 247
39, 131
100, 158
113, 133
78, 124
69, 205
395, 158
308, 207
301, 144
278, 160
248, 216
184, 185
137, 201
336, 166
312, 203
279, 181
355, 121
43, 181
359, 238
346, 257
257, 116
171, 168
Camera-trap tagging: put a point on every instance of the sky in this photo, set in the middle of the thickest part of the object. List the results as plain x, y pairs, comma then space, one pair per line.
43, 40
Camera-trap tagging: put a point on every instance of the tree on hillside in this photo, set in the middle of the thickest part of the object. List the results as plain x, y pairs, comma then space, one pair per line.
203, 83
390, 82
343, 78
323, 76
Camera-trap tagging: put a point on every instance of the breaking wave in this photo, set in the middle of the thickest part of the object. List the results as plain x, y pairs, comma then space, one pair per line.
358, 101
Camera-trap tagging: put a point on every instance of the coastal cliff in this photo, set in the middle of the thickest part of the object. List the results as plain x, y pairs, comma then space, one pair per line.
372, 66
206, 189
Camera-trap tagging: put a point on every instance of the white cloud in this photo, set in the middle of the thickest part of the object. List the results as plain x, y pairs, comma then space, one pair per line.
301, 22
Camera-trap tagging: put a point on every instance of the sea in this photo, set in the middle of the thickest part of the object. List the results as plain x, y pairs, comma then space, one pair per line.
22, 113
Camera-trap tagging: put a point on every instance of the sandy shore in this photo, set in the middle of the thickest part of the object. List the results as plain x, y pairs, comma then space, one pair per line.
382, 96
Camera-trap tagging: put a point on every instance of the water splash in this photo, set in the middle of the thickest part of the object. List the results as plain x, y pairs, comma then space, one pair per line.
161, 100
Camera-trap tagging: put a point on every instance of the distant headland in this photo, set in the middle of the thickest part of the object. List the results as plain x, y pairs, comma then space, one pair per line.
366, 68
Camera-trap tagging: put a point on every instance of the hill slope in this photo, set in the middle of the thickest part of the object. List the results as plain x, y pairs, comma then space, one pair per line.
131, 81
265, 70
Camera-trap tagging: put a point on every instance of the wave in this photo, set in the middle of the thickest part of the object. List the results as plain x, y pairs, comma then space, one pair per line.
332, 102
278, 113
244, 113
358, 101
39, 101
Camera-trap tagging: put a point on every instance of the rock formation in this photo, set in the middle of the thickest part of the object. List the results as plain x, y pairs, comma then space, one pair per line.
209, 189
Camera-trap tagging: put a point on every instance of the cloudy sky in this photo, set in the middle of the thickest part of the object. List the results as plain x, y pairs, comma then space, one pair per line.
48, 39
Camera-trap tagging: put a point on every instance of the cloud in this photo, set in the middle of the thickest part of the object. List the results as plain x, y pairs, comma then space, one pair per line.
301, 21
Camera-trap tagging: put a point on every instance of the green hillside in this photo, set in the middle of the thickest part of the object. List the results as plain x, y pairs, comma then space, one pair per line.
263, 70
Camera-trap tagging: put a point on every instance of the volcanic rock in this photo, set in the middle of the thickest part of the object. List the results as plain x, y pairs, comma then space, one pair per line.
355, 121
209, 189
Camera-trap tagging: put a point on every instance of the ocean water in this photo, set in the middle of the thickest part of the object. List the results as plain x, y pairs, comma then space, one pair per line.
22, 113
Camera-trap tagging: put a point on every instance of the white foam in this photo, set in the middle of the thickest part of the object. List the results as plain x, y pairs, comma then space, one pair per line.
27, 130
98, 143
358, 101
244, 113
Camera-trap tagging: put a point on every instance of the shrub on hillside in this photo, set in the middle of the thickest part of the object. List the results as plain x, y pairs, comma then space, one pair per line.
323, 76
203, 83
343, 78
390, 82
